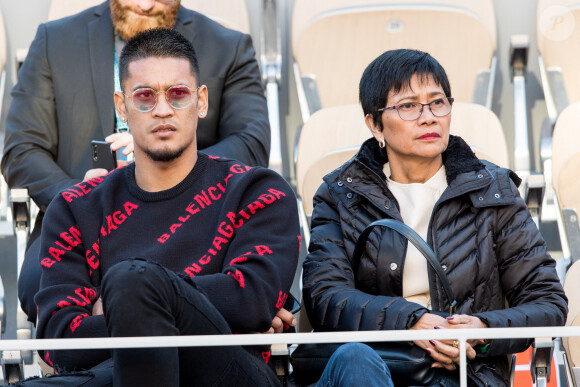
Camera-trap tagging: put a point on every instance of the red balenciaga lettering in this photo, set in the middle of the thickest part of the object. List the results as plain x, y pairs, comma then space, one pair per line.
93, 256
85, 297
261, 250
68, 240
77, 321
203, 200
82, 189
118, 218
47, 359
238, 276
282, 296
266, 356
226, 230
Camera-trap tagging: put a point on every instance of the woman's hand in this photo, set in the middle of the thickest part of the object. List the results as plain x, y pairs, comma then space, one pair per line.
442, 355
461, 321
446, 352
451, 349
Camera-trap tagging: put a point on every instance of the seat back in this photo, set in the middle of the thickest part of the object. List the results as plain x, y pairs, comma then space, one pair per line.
482, 130
558, 29
564, 146
335, 40
326, 131
572, 289
232, 14
333, 135
229, 13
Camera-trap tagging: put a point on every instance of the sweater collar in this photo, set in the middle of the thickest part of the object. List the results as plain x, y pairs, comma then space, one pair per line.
195, 175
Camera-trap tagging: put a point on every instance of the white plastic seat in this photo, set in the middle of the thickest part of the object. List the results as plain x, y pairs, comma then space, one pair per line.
333, 135
334, 40
558, 29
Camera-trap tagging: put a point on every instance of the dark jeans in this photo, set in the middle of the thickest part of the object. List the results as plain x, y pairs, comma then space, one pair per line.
354, 364
141, 298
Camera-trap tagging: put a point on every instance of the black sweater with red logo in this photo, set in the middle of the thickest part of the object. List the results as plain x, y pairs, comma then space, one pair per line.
232, 228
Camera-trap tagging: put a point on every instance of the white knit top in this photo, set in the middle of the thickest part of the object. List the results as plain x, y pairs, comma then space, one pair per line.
416, 201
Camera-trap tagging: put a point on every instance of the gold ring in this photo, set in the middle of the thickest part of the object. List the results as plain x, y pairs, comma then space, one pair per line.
455, 343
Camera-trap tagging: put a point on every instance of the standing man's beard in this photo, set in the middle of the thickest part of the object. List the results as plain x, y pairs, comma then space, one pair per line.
128, 25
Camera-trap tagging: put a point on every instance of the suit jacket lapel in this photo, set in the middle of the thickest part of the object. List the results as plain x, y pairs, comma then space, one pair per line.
184, 24
101, 43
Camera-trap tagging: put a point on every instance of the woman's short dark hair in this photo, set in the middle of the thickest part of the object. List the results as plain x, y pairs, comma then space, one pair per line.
392, 71
157, 42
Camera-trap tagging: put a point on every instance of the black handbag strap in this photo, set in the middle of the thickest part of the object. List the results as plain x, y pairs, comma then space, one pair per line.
417, 241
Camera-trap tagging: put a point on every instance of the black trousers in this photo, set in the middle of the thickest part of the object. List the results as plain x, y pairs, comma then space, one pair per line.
142, 298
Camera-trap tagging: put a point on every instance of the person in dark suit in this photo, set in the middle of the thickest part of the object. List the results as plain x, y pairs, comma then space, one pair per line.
64, 99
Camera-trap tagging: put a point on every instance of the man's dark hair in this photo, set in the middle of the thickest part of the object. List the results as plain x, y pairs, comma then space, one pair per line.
157, 42
392, 71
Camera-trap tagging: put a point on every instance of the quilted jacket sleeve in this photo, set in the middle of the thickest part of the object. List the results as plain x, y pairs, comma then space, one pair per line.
528, 278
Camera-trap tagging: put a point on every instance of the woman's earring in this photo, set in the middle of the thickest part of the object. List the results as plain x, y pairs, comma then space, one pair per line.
382, 143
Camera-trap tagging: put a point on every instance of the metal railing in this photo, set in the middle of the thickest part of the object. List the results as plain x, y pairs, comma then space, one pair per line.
296, 338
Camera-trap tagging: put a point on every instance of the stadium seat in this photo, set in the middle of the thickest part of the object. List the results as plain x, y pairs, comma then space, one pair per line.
334, 40
565, 166
572, 344
333, 135
557, 28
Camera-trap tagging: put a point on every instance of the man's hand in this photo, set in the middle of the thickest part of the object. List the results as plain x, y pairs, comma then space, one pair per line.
282, 317
95, 172
120, 140
98, 307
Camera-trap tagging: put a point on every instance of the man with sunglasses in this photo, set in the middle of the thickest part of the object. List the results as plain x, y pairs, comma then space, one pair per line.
63, 100
176, 243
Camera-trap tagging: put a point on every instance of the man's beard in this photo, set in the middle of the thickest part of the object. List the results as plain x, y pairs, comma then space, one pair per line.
164, 155
128, 25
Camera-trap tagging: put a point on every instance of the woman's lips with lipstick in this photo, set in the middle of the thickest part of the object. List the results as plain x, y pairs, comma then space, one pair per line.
429, 136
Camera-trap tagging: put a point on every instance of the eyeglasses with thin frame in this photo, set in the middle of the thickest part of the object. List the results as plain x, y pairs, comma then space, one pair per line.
178, 97
410, 111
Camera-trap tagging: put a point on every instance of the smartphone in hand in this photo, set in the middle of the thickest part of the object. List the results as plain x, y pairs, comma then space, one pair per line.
103, 156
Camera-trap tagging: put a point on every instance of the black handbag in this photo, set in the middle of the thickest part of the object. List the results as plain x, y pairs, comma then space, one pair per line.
409, 364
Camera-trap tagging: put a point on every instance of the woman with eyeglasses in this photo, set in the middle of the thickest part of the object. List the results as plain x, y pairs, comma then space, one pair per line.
468, 210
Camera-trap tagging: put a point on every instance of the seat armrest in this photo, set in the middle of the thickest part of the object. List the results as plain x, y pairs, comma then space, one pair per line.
572, 227
534, 189
541, 363
20, 204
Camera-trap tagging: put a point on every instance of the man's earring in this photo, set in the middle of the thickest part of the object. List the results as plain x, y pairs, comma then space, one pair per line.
202, 114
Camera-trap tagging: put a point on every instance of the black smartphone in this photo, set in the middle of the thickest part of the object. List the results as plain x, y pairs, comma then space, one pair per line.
103, 156
292, 304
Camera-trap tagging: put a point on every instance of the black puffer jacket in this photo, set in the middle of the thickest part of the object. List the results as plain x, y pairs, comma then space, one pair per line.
481, 231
